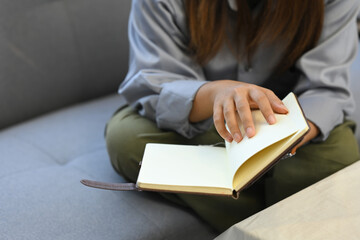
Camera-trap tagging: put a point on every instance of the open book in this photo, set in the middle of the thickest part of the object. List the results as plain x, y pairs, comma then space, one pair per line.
218, 170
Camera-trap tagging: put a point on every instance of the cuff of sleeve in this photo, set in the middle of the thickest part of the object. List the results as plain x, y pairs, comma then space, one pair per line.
174, 106
315, 107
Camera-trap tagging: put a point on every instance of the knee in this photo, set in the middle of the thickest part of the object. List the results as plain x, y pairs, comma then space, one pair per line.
316, 161
339, 150
124, 149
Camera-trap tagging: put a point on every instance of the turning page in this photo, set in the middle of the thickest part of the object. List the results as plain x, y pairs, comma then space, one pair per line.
270, 143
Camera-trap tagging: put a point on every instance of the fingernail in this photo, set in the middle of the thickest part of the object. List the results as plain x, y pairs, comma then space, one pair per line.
237, 137
271, 119
249, 132
229, 139
283, 106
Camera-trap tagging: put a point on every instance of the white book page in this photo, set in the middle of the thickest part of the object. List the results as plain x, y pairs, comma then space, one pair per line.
266, 134
183, 165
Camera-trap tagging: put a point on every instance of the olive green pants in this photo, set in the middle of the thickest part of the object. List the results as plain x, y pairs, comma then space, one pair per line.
127, 134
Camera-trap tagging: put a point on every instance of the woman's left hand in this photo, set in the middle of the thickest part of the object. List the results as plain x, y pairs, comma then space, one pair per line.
314, 131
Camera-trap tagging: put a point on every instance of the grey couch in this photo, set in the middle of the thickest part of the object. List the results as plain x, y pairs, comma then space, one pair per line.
60, 65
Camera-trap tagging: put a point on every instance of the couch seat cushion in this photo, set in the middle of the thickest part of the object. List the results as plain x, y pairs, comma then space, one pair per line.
42, 162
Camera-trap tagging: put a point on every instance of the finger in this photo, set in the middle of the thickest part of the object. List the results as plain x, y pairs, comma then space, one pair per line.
243, 108
276, 104
219, 124
231, 121
293, 151
264, 105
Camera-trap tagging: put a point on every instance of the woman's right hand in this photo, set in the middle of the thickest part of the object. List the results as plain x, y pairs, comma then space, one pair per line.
231, 102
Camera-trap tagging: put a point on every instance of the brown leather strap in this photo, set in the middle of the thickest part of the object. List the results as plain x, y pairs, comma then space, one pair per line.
110, 186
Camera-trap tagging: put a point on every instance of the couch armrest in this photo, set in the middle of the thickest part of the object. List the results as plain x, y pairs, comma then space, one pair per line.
326, 210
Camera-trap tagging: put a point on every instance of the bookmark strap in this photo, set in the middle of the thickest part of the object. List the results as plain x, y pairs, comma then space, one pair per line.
110, 186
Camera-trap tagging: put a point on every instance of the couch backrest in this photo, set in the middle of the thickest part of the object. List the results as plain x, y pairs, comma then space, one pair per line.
54, 53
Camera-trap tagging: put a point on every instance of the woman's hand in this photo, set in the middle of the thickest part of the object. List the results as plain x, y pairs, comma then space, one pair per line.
232, 101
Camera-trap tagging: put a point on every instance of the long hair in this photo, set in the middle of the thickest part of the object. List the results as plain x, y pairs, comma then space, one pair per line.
296, 23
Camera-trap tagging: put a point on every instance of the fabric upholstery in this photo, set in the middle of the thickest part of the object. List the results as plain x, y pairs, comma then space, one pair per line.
59, 52
42, 163
327, 210
55, 54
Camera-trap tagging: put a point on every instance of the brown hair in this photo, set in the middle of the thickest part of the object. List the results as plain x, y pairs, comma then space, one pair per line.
298, 23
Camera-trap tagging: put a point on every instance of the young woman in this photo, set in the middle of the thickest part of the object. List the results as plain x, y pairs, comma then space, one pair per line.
195, 64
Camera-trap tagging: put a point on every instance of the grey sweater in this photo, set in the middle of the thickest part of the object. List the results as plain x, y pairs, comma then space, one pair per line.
163, 79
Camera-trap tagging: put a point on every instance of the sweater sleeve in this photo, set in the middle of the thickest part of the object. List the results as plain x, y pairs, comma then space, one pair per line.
163, 79
323, 89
